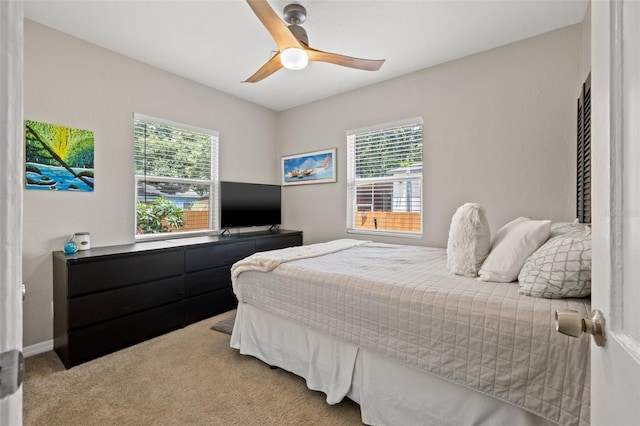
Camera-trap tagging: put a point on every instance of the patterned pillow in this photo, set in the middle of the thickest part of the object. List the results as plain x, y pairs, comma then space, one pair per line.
560, 228
561, 267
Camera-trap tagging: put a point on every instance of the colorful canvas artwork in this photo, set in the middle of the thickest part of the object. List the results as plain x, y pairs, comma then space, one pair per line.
58, 157
312, 167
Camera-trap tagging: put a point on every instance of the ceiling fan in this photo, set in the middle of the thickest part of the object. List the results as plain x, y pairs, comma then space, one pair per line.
293, 43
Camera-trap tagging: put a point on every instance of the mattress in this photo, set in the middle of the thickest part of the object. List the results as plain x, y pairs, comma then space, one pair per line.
400, 303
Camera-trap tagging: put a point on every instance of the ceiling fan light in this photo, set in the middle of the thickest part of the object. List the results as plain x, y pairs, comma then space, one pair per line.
294, 58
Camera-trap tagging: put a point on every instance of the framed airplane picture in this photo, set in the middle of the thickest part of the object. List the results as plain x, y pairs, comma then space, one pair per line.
311, 167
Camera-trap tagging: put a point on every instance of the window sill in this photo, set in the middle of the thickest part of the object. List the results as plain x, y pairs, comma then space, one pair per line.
173, 235
396, 234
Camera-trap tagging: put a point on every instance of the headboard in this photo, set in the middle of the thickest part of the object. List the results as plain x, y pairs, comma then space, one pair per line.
583, 198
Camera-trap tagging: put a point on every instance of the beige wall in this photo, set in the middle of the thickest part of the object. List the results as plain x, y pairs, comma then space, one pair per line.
585, 66
499, 129
73, 83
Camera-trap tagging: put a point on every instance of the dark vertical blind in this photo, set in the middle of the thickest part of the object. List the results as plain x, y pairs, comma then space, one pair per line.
583, 198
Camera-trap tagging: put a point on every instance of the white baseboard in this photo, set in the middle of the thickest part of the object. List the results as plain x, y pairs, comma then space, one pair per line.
38, 348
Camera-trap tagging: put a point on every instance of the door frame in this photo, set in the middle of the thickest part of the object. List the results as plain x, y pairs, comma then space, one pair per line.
615, 369
11, 184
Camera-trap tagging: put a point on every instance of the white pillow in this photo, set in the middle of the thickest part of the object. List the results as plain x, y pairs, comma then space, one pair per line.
511, 247
469, 240
561, 267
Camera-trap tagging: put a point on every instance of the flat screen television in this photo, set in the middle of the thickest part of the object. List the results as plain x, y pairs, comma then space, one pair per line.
249, 204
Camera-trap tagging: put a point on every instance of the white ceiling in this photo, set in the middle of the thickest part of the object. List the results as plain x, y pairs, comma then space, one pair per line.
220, 43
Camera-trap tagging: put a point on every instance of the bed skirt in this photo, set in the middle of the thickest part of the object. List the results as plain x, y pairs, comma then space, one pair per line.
389, 393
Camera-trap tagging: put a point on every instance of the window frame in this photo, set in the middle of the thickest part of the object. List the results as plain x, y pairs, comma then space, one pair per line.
353, 181
213, 182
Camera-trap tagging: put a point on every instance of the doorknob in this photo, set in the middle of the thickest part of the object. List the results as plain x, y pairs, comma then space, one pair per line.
572, 324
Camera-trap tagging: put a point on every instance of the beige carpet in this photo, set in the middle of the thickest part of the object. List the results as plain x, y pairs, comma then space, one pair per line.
187, 377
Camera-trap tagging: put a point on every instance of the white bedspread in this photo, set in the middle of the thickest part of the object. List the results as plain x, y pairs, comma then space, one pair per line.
401, 303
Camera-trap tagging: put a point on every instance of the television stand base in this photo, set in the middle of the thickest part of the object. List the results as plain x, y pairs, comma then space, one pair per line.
274, 228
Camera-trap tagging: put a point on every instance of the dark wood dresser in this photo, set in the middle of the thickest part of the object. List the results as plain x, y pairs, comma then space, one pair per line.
108, 298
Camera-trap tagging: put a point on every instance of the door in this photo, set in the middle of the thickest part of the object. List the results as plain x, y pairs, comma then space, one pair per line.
615, 90
11, 172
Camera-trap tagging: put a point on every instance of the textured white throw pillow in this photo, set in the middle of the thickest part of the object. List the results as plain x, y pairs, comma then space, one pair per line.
561, 267
511, 247
469, 240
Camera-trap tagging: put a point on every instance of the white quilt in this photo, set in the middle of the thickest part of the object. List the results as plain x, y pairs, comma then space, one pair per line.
401, 302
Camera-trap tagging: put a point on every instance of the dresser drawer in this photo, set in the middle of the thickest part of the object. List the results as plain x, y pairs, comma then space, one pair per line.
205, 257
210, 304
273, 243
94, 341
85, 310
103, 273
207, 280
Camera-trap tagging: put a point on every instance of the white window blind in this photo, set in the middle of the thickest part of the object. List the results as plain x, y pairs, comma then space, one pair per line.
176, 177
384, 179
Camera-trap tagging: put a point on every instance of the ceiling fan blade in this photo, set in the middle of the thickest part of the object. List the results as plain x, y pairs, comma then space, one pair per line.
278, 29
345, 61
274, 64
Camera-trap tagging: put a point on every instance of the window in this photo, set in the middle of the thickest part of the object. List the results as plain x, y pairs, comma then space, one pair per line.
583, 192
384, 179
176, 177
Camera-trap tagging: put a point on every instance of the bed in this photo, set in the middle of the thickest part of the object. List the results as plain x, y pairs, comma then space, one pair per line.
389, 327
